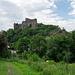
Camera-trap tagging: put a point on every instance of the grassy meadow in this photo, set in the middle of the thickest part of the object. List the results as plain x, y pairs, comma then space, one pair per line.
23, 67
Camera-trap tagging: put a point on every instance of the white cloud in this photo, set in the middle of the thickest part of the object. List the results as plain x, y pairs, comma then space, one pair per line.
72, 6
71, 0
17, 10
17, 2
5, 23
69, 24
2, 12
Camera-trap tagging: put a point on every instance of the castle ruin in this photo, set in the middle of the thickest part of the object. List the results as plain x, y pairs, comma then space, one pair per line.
32, 23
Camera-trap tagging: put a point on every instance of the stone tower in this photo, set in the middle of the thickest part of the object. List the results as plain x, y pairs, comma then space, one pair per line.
32, 23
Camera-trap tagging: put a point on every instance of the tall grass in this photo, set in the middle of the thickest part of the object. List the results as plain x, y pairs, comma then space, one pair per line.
3, 68
26, 70
30, 67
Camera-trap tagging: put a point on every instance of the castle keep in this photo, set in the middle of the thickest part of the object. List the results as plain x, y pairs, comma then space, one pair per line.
32, 23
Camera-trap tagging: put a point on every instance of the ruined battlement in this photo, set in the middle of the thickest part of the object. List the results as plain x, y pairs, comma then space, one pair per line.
32, 23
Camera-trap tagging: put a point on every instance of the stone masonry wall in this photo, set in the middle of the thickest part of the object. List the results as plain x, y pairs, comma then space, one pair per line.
32, 23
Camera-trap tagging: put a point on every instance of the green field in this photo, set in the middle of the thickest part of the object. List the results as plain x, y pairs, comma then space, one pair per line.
15, 69
35, 68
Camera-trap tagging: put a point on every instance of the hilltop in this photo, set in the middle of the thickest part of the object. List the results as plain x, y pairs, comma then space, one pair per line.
44, 30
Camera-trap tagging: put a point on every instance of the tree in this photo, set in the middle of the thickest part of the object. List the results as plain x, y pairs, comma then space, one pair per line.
22, 44
4, 33
3, 45
57, 47
52, 48
10, 35
71, 36
38, 45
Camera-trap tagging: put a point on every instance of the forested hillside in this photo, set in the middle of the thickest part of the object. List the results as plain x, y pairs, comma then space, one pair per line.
44, 30
47, 41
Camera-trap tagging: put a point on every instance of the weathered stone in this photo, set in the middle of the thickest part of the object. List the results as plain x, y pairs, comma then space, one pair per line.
32, 23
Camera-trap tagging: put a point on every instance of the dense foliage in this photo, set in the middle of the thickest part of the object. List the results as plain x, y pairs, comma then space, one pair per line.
38, 45
22, 45
47, 41
3, 47
61, 48
44, 30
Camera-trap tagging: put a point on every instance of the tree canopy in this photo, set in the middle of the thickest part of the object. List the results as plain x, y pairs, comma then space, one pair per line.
47, 41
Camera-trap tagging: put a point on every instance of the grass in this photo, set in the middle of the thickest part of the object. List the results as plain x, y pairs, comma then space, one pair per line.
3, 68
16, 69
23, 67
53, 68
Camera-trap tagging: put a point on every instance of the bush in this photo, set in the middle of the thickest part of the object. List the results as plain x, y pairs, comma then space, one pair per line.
62, 62
24, 55
29, 63
44, 58
37, 67
51, 62
21, 61
34, 57
5, 54
14, 55
46, 71
8, 53
19, 56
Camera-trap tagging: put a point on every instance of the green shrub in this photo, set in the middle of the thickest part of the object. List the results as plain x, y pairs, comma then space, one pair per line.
51, 62
22, 61
24, 55
44, 58
19, 56
29, 63
14, 55
46, 71
62, 62
37, 67
14, 59
8, 53
5, 54
35, 57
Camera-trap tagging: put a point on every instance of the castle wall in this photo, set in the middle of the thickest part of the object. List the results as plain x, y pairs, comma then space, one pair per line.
17, 26
32, 23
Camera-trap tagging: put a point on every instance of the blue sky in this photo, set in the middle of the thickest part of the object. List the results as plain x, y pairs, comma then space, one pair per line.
63, 9
57, 12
